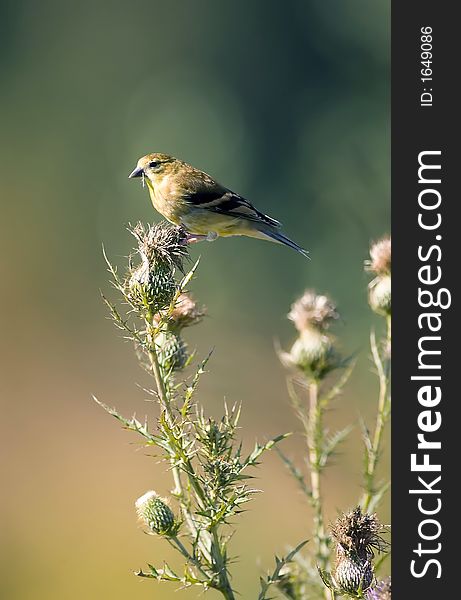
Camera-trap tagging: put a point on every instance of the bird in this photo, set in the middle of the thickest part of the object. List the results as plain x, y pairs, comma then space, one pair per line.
193, 200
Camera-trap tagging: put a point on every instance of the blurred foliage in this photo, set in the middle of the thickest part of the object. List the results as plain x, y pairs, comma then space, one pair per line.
288, 104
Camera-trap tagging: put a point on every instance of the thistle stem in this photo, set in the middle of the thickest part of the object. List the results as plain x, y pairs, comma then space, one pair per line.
165, 402
381, 417
189, 557
219, 562
314, 444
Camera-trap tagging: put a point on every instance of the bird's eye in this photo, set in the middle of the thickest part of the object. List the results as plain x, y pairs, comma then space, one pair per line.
153, 164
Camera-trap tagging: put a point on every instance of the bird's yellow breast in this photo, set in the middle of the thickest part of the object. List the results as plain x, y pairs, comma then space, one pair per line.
166, 200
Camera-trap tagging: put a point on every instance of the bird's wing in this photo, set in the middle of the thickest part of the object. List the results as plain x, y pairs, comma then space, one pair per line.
211, 196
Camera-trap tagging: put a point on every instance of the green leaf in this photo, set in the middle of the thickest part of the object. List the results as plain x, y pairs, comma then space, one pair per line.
337, 389
275, 577
325, 576
332, 443
251, 460
134, 425
378, 496
187, 279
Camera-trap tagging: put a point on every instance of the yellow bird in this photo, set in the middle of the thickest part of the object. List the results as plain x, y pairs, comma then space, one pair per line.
192, 199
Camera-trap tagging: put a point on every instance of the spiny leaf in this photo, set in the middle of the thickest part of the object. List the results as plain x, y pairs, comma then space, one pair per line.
165, 574
338, 387
365, 434
190, 389
332, 443
275, 577
189, 276
133, 425
326, 578
251, 460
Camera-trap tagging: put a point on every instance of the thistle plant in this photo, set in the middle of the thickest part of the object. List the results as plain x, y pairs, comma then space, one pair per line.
357, 536
379, 295
342, 560
207, 463
313, 356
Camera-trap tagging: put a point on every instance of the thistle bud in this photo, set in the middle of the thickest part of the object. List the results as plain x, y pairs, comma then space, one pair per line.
357, 535
379, 295
162, 248
352, 574
161, 244
380, 254
156, 515
152, 289
171, 351
313, 353
379, 290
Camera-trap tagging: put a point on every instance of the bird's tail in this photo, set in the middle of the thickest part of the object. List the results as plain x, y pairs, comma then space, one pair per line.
274, 235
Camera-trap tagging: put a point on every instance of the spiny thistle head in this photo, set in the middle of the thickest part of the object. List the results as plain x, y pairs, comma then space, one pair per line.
151, 286
314, 352
358, 531
380, 295
380, 254
357, 535
381, 591
156, 515
161, 244
352, 575
312, 311
380, 290
151, 289
171, 351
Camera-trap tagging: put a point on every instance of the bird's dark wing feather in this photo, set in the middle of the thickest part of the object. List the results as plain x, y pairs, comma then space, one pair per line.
223, 201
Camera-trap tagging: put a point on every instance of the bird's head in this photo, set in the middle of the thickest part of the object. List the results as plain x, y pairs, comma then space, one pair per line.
153, 167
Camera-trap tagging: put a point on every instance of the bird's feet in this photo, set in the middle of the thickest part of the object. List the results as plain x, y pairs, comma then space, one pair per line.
193, 238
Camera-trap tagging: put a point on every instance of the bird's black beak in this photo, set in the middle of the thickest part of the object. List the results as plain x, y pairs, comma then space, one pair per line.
138, 172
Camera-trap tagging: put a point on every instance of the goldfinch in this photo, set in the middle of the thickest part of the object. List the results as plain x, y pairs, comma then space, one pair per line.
193, 200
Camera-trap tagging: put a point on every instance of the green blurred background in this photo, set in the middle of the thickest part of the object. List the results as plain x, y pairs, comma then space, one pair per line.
286, 103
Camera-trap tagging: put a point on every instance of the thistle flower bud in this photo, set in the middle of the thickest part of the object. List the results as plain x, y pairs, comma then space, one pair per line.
379, 290
357, 535
313, 353
359, 531
162, 248
381, 591
161, 244
171, 350
155, 513
380, 253
151, 289
379, 295
352, 574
